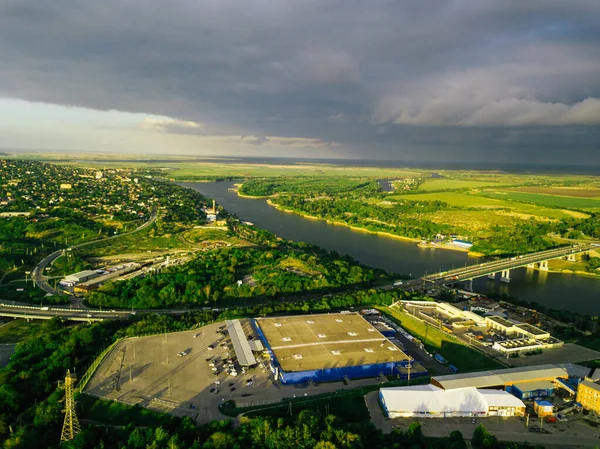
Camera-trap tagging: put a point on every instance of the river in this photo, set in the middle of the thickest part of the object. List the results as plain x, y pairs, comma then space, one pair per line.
559, 291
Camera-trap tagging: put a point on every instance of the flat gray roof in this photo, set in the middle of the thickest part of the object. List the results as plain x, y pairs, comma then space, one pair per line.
536, 385
323, 341
492, 378
240, 343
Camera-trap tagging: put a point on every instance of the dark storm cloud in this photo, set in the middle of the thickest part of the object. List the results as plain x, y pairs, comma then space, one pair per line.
452, 79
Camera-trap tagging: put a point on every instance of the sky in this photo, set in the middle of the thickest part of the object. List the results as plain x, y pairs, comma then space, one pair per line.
437, 80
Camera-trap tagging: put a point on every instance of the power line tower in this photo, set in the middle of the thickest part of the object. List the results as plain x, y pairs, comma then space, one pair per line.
71, 425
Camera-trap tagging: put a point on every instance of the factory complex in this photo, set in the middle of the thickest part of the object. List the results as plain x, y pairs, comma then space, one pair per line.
496, 393
328, 347
506, 336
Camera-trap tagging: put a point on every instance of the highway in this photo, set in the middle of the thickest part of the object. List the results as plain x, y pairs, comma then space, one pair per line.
38, 272
78, 312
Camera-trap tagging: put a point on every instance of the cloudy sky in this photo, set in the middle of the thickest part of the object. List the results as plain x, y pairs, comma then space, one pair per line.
464, 80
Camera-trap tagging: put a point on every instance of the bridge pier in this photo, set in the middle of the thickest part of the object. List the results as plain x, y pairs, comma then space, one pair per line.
571, 258
469, 285
492, 276
544, 265
531, 265
505, 276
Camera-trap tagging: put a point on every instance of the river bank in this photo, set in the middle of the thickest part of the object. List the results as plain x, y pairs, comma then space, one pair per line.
341, 223
553, 290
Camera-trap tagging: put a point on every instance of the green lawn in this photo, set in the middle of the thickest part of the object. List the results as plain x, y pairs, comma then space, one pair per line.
436, 340
563, 202
16, 330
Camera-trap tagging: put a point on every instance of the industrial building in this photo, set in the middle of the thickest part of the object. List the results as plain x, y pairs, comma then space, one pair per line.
82, 276
327, 347
523, 382
430, 401
511, 336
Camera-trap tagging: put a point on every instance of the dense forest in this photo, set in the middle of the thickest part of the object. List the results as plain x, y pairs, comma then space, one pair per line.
229, 273
310, 185
396, 218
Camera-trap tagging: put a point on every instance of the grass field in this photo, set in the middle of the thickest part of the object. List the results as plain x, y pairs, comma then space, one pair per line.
16, 330
461, 356
562, 191
115, 413
142, 241
483, 202
453, 184
546, 200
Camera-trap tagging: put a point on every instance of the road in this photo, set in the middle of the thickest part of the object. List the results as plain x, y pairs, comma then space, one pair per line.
38, 272
475, 271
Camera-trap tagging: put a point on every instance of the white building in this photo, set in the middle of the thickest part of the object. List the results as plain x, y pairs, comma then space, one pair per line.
81, 276
429, 401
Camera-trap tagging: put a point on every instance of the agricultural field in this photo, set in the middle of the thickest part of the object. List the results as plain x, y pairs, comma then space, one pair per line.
453, 184
562, 191
504, 207
547, 200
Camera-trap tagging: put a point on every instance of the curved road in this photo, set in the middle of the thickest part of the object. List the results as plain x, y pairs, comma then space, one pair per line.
38, 272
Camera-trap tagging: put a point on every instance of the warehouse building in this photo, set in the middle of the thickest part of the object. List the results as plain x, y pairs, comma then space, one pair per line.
328, 347
429, 401
525, 382
82, 276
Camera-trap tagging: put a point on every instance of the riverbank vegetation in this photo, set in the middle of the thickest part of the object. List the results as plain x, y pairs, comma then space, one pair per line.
487, 211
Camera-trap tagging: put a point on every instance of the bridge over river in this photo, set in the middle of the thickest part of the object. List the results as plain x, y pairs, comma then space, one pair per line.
503, 266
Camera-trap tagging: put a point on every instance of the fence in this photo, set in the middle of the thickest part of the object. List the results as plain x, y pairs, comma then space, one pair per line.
94, 366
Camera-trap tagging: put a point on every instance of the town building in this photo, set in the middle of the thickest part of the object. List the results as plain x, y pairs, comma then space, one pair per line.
588, 395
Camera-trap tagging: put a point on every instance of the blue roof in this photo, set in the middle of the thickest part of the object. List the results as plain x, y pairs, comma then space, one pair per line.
544, 403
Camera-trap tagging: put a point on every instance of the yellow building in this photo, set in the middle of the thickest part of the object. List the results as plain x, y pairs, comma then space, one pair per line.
588, 395
543, 408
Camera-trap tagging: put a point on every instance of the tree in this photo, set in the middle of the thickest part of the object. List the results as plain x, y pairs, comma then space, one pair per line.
482, 438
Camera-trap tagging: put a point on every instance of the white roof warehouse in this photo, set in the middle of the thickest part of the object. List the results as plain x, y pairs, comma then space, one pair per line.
434, 402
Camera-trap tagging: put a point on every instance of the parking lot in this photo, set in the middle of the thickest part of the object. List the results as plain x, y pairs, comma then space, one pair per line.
150, 372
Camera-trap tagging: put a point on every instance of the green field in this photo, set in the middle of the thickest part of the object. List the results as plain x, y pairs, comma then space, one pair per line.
453, 184
142, 241
16, 330
467, 200
435, 340
563, 202
455, 199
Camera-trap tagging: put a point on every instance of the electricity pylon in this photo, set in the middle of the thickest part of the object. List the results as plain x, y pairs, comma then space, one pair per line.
71, 425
